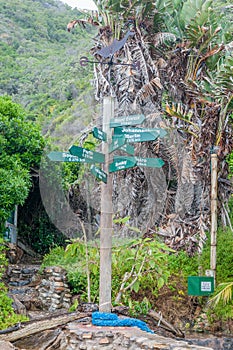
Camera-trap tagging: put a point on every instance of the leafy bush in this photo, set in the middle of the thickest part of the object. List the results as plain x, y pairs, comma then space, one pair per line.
137, 265
21, 146
224, 266
182, 264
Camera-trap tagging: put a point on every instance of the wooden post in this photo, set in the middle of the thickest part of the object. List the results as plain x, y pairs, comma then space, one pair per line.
214, 217
106, 223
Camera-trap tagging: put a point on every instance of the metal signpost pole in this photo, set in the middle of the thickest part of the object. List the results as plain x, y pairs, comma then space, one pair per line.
106, 223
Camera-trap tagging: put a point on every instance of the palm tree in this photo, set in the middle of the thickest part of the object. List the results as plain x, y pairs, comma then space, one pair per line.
180, 53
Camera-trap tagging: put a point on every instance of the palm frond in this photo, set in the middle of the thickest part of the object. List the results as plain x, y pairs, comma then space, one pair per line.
148, 90
223, 293
162, 37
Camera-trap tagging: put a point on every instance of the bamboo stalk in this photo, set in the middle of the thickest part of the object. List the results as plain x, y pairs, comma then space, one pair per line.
214, 223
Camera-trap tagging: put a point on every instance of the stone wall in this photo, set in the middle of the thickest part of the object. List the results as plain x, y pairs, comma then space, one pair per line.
81, 337
53, 290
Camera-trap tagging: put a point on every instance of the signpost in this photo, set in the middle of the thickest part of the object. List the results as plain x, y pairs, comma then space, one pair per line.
96, 157
121, 164
121, 140
99, 134
99, 173
122, 136
127, 120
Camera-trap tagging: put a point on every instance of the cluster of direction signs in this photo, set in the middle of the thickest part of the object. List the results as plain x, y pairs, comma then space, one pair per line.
124, 135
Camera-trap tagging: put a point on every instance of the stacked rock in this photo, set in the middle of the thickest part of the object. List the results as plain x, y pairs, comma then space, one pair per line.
54, 291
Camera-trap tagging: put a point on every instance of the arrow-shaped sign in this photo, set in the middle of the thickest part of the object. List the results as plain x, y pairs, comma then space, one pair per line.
124, 130
144, 162
66, 157
99, 173
127, 120
117, 142
138, 136
99, 134
121, 164
128, 149
95, 157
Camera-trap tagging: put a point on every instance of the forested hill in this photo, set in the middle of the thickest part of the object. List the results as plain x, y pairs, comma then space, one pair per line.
40, 64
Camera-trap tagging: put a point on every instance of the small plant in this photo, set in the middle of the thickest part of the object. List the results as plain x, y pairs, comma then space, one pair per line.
223, 294
139, 308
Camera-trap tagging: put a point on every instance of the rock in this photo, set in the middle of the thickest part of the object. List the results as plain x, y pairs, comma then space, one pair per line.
5, 345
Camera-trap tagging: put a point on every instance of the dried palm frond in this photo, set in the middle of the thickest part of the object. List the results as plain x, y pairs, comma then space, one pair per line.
160, 38
148, 90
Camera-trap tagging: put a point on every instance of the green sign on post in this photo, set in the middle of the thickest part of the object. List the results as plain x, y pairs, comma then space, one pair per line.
117, 142
99, 134
121, 164
67, 157
200, 285
145, 162
128, 149
95, 157
99, 173
127, 120
158, 132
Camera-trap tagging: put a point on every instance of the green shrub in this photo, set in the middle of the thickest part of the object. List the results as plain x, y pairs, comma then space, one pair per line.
182, 264
141, 264
224, 266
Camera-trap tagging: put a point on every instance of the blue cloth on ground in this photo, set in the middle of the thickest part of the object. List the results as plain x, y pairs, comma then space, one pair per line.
112, 320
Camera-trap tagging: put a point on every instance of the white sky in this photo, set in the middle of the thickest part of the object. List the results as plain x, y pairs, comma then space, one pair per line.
81, 4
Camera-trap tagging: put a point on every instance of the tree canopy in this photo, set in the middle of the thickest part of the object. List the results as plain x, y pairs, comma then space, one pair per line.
21, 146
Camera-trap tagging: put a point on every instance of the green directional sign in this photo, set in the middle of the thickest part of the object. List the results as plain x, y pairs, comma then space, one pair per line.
66, 157
127, 120
158, 132
95, 157
99, 134
99, 173
138, 136
145, 162
121, 164
149, 162
128, 149
117, 142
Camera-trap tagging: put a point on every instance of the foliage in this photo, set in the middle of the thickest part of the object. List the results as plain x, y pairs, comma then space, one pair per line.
137, 265
21, 148
224, 267
220, 305
40, 65
223, 293
42, 235
181, 264
8, 317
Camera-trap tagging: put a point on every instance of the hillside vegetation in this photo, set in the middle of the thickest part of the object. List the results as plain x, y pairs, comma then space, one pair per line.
40, 65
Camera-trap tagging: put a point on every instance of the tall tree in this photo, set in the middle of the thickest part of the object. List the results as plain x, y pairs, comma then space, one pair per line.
21, 146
